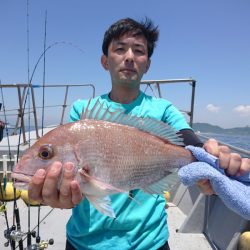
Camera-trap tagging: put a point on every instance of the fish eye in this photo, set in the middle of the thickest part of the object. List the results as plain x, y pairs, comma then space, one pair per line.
46, 152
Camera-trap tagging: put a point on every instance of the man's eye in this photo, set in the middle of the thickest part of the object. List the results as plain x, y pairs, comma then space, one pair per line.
140, 52
119, 49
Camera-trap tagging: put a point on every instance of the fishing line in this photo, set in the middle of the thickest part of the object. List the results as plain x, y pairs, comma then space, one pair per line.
44, 64
40, 221
43, 103
28, 94
49, 47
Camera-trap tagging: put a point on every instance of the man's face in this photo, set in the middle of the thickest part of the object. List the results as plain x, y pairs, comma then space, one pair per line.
127, 60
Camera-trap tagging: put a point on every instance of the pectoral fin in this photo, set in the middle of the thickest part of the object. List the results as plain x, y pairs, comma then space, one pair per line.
99, 191
165, 184
102, 204
99, 184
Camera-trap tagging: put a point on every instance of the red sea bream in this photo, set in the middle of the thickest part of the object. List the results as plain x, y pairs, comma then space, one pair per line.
110, 156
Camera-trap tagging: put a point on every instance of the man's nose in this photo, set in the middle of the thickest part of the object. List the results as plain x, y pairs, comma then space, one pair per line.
129, 55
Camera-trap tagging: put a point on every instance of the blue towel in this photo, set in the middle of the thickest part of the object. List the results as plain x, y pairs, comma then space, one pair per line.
233, 191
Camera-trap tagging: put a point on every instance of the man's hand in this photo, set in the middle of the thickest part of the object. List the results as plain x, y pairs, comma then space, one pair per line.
44, 186
231, 162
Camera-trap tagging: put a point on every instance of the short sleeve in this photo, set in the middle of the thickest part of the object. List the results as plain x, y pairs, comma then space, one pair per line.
76, 110
175, 118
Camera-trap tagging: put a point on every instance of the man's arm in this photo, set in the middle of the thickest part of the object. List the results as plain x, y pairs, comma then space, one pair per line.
190, 138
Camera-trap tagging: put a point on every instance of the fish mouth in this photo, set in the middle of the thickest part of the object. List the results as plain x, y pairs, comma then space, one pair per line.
20, 180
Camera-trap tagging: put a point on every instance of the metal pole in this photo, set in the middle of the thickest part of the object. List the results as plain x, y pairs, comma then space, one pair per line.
64, 104
21, 114
34, 111
158, 88
193, 83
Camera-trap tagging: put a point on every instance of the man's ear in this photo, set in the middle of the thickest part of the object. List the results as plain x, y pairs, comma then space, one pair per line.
104, 61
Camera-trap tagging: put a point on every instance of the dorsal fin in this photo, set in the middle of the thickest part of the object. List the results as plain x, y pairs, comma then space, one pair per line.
149, 125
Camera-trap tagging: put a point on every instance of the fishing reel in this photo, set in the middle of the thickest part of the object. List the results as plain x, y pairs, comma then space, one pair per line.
40, 246
17, 235
12, 234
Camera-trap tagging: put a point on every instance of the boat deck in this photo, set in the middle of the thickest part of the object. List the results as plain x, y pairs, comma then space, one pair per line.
54, 222
52, 225
181, 241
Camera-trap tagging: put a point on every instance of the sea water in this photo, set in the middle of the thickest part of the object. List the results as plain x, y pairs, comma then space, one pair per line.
239, 141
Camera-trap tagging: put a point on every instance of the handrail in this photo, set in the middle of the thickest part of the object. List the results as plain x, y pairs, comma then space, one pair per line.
22, 89
158, 83
5, 163
191, 81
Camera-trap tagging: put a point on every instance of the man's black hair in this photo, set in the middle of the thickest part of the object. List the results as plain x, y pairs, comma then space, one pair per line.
128, 25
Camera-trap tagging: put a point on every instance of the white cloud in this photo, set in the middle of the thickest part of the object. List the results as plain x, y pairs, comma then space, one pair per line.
242, 110
212, 108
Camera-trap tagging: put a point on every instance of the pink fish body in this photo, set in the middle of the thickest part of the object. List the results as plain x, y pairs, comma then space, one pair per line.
109, 157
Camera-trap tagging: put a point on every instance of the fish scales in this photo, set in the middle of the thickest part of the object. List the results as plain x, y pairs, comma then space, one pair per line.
124, 156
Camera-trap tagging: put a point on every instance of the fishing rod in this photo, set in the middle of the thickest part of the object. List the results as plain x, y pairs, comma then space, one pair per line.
14, 234
28, 77
3, 209
32, 233
17, 234
38, 238
8, 233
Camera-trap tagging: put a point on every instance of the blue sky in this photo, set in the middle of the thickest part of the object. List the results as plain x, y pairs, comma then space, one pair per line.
208, 41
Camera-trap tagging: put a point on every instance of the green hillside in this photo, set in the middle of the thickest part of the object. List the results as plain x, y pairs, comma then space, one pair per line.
209, 128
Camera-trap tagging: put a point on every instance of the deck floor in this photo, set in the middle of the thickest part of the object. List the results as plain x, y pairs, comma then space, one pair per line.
183, 241
53, 226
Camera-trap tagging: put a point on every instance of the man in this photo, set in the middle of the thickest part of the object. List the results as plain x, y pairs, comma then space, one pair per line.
127, 48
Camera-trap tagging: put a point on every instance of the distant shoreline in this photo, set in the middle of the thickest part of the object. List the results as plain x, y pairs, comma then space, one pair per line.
209, 128
197, 127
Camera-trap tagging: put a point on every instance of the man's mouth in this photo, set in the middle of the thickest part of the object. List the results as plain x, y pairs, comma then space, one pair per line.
128, 70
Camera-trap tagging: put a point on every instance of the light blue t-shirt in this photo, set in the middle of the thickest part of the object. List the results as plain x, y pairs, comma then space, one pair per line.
139, 224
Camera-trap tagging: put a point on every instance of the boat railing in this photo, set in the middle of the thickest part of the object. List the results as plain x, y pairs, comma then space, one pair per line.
6, 164
26, 107
26, 98
157, 83
29, 110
